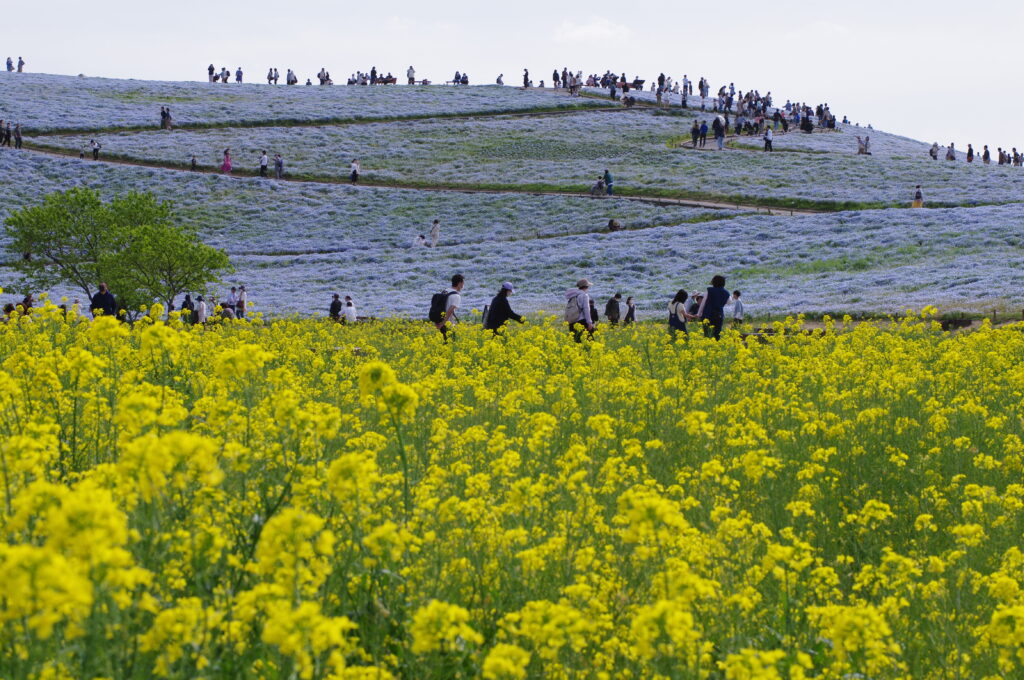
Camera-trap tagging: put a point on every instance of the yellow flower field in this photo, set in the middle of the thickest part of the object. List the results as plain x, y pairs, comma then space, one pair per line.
310, 500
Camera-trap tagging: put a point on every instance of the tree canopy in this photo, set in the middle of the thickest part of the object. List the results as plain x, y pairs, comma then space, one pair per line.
133, 243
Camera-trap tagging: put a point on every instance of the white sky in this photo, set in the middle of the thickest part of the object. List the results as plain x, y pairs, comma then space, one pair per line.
932, 70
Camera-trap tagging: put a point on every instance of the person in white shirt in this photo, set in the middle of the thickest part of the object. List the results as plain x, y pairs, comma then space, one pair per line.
419, 241
240, 305
768, 137
354, 168
201, 314
411, 75
264, 162
737, 309
452, 305
349, 310
435, 233
233, 298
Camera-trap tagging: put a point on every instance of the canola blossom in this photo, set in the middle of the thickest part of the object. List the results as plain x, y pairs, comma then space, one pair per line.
303, 499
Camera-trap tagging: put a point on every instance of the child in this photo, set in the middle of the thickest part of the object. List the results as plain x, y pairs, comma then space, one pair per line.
737, 309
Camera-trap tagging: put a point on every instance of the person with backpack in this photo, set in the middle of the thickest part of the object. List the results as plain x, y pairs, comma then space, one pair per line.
712, 307
445, 304
677, 314
500, 311
612, 309
577, 310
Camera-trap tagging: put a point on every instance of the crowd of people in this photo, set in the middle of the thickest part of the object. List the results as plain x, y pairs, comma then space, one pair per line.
8, 133
1003, 156
581, 313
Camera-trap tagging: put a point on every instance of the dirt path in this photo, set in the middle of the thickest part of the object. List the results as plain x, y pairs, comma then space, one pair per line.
653, 200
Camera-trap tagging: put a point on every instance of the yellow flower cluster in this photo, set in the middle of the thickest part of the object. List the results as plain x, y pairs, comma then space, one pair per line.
314, 501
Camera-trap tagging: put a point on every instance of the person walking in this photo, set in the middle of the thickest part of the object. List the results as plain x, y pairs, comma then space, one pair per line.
278, 166
349, 311
737, 309
702, 133
608, 181
243, 301
103, 302
695, 133
712, 307
768, 137
500, 311
435, 233
335, 309
577, 310
677, 314
354, 170
986, 157
264, 163
225, 166
445, 305
17, 136
630, 312
95, 146
918, 198
613, 309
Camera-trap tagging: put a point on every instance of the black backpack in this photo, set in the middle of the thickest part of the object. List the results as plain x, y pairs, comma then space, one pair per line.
438, 306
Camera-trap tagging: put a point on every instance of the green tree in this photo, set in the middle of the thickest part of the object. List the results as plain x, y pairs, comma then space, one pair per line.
131, 242
163, 261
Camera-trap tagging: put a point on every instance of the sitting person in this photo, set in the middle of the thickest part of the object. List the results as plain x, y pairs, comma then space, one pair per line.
629, 101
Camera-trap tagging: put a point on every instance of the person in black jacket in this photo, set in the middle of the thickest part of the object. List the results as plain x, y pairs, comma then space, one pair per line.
335, 309
103, 301
500, 310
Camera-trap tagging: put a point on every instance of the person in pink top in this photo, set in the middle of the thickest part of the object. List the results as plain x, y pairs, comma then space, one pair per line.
225, 167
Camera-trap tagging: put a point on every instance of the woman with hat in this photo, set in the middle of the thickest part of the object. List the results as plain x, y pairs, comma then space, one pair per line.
500, 311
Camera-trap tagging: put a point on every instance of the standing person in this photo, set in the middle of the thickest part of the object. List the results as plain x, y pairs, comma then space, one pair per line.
411, 75
444, 305
719, 133
577, 310
526, 78
677, 314
270, 76
276, 76
768, 139
712, 307
335, 309
951, 152
934, 151
918, 198
188, 308
630, 312
737, 309
608, 182
201, 314
232, 300
264, 163
349, 311
194, 164
225, 166
695, 133
501, 79
354, 170
17, 136
243, 301
702, 133
613, 309
103, 302
21, 65
210, 70
435, 233
10, 65
970, 153
238, 75
500, 310
986, 157
278, 166
95, 146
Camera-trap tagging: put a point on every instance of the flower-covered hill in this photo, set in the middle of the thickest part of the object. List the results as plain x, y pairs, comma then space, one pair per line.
51, 102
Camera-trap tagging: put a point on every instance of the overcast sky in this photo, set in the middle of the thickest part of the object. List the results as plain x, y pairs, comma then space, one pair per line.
935, 71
